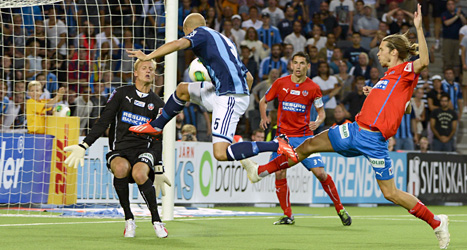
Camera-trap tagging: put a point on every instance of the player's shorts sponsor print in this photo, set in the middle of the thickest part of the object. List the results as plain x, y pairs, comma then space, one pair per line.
344, 131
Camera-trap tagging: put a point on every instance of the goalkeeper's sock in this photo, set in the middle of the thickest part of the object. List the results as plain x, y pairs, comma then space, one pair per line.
243, 150
173, 106
123, 192
283, 194
149, 196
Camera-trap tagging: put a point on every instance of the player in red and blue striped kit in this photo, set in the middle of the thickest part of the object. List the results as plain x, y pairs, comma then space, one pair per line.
297, 94
378, 120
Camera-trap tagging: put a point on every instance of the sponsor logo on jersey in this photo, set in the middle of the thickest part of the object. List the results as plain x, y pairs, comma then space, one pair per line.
408, 67
392, 72
295, 92
294, 107
128, 98
139, 103
151, 107
147, 158
191, 34
305, 93
286, 90
377, 163
133, 119
344, 131
382, 84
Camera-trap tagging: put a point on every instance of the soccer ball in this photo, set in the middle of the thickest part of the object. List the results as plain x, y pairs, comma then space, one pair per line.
62, 110
198, 72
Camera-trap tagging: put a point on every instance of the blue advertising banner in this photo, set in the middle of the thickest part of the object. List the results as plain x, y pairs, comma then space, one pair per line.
25, 168
355, 179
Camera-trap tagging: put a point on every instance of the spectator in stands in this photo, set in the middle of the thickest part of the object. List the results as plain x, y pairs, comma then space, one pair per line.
317, 39
312, 52
19, 33
274, 12
4, 101
79, 70
325, 54
424, 145
426, 84
343, 10
434, 96
189, 133
6, 73
268, 34
36, 108
33, 63
296, 38
227, 31
19, 112
99, 100
345, 79
125, 64
374, 77
285, 26
272, 62
253, 21
418, 106
367, 27
301, 12
56, 33
39, 36
272, 128
453, 19
259, 50
392, 144
237, 30
249, 62
211, 18
50, 77
358, 13
108, 37
329, 21
86, 38
399, 19
45, 92
336, 59
362, 68
340, 115
327, 83
258, 92
83, 110
287, 52
352, 54
354, 100
405, 133
89, 10
443, 123
453, 88
373, 54
393, 6
257, 135
183, 11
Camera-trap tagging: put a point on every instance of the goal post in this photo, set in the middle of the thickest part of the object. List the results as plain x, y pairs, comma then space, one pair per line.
79, 45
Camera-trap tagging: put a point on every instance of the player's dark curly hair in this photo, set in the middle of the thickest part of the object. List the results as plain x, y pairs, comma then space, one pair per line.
401, 43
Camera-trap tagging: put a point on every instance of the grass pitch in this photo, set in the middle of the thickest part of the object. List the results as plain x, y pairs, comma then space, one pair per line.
315, 228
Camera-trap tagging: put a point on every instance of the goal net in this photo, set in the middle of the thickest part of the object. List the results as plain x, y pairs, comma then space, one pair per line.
78, 45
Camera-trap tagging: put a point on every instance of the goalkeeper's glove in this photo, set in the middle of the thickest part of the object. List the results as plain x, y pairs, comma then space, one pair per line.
77, 154
160, 179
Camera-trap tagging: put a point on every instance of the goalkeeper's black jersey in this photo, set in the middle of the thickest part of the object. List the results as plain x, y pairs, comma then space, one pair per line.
127, 107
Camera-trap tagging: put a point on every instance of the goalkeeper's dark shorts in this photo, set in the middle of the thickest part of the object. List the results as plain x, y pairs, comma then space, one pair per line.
149, 156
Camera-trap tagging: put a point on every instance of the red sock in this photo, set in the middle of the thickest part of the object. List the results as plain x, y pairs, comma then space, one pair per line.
422, 212
330, 188
283, 194
280, 162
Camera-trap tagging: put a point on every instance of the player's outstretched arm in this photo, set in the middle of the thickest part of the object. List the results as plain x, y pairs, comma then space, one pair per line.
421, 63
163, 50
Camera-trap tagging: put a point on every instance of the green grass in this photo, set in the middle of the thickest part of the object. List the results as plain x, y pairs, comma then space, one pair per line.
315, 228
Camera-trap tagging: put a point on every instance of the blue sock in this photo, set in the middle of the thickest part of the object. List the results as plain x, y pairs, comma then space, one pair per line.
173, 106
243, 150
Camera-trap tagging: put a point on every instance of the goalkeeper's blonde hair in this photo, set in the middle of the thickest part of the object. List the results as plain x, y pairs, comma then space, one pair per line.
138, 62
33, 84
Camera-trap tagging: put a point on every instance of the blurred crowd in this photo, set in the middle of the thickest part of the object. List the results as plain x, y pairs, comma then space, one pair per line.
80, 45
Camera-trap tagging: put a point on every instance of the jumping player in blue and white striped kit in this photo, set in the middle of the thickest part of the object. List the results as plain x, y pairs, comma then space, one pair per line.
227, 96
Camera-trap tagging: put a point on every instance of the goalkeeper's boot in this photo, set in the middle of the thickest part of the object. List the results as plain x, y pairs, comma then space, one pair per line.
251, 168
160, 229
286, 148
442, 232
285, 220
130, 228
345, 217
146, 128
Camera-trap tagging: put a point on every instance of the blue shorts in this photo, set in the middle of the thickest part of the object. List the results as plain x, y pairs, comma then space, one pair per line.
350, 140
313, 161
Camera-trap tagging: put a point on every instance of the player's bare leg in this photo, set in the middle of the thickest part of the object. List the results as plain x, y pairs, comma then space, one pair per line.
140, 174
330, 188
438, 222
121, 169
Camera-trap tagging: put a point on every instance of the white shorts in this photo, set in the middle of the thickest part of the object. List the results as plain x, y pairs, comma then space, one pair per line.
226, 110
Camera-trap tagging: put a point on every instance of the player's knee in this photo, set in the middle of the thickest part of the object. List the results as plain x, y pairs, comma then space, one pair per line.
390, 195
182, 91
120, 169
320, 174
139, 177
281, 174
220, 156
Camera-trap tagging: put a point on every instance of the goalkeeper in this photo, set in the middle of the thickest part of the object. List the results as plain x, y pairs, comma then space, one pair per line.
133, 158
